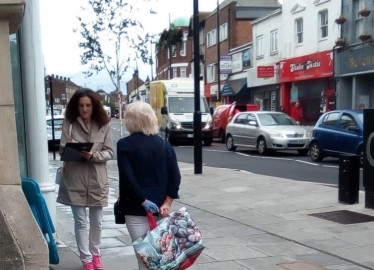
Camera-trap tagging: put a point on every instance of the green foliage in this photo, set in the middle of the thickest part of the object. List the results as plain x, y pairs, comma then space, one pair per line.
172, 36
112, 38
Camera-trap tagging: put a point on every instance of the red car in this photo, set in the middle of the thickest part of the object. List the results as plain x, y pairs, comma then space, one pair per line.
223, 114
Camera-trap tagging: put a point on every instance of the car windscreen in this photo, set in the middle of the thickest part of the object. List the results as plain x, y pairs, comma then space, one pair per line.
58, 122
186, 105
275, 119
361, 117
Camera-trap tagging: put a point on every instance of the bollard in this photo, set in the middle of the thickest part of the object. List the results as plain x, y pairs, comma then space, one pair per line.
349, 179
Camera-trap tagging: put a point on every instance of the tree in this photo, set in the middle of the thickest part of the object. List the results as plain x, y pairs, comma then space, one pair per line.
112, 38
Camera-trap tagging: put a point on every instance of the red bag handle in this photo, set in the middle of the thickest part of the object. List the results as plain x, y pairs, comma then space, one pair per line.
151, 220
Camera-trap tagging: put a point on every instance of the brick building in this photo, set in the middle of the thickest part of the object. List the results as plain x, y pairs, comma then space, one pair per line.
179, 64
63, 89
235, 31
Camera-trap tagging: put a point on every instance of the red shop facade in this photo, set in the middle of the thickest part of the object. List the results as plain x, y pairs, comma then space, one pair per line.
309, 81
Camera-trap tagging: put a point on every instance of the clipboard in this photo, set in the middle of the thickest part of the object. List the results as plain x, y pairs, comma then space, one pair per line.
72, 151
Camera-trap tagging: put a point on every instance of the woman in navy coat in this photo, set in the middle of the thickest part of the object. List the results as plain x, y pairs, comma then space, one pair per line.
149, 175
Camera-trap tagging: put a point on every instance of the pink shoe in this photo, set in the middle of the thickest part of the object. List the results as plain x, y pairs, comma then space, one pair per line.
88, 266
97, 265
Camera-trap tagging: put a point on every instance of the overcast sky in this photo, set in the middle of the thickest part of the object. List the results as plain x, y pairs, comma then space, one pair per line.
60, 44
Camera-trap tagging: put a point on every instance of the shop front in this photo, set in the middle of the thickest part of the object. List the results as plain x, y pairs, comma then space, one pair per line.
264, 87
354, 71
308, 80
235, 90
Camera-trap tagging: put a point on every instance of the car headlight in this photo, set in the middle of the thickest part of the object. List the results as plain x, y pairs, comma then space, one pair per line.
175, 125
208, 125
308, 134
274, 134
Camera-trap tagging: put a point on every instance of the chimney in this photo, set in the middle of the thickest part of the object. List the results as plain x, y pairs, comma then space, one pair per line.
53, 75
60, 77
69, 79
64, 78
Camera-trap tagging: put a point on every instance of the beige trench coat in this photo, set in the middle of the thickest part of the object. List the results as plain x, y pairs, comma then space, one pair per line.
85, 183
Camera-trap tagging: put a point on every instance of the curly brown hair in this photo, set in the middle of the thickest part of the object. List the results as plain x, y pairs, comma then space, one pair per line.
98, 113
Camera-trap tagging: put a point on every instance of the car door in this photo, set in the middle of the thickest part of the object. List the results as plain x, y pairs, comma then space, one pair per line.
250, 131
325, 133
348, 134
239, 128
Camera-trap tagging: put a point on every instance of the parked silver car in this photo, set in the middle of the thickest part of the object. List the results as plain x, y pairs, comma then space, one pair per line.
266, 132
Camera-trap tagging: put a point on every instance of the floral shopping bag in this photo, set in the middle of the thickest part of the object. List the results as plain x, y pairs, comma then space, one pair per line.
173, 243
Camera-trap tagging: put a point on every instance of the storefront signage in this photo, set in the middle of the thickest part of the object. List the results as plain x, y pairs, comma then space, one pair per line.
237, 62
312, 66
265, 71
225, 64
350, 62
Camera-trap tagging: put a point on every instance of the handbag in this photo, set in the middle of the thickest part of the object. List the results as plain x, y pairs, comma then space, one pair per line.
119, 217
59, 170
172, 243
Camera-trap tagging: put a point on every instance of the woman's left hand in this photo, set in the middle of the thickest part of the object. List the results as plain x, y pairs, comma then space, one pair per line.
87, 155
164, 210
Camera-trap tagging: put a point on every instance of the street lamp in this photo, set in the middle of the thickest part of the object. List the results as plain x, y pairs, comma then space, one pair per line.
218, 57
198, 153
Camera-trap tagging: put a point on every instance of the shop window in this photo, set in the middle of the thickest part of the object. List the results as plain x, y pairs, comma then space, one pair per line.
18, 102
323, 24
299, 31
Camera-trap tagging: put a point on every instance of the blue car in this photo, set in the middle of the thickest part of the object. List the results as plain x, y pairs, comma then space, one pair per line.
337, 133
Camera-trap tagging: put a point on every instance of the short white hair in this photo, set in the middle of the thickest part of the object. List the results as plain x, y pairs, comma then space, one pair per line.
140, 117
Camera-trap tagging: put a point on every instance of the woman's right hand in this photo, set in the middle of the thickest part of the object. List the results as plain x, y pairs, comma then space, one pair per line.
150, 206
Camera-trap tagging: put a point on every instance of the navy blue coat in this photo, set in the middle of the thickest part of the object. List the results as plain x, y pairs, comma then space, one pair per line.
148, 169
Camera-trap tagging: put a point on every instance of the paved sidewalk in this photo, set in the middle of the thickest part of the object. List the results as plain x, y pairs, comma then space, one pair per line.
248, 221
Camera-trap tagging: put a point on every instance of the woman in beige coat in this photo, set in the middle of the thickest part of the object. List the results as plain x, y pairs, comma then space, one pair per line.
85, 183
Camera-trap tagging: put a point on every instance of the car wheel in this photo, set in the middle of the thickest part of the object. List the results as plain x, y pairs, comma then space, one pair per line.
261, 146
315, 152
303, 152
208, 141
230, 143
221, 136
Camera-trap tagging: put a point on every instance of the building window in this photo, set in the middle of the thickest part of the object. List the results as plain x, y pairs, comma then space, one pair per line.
175, 73
259, 44
201, 71
274, 41
174, 51
211, 38
183, 48
57, 100
169, 52
211, 73
299, 31
223, 77
324, 22
48, 90
183, 72
223, 32
359, 20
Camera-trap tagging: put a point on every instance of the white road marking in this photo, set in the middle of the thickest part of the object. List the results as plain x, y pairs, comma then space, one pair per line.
221, 151
274, 158
306, 162
330, 166
243, 154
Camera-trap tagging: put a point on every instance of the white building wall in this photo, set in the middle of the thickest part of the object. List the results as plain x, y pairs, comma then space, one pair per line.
263, 27
308, 10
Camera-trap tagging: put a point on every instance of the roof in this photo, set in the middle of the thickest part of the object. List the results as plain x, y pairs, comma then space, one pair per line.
251, 3
181, 21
